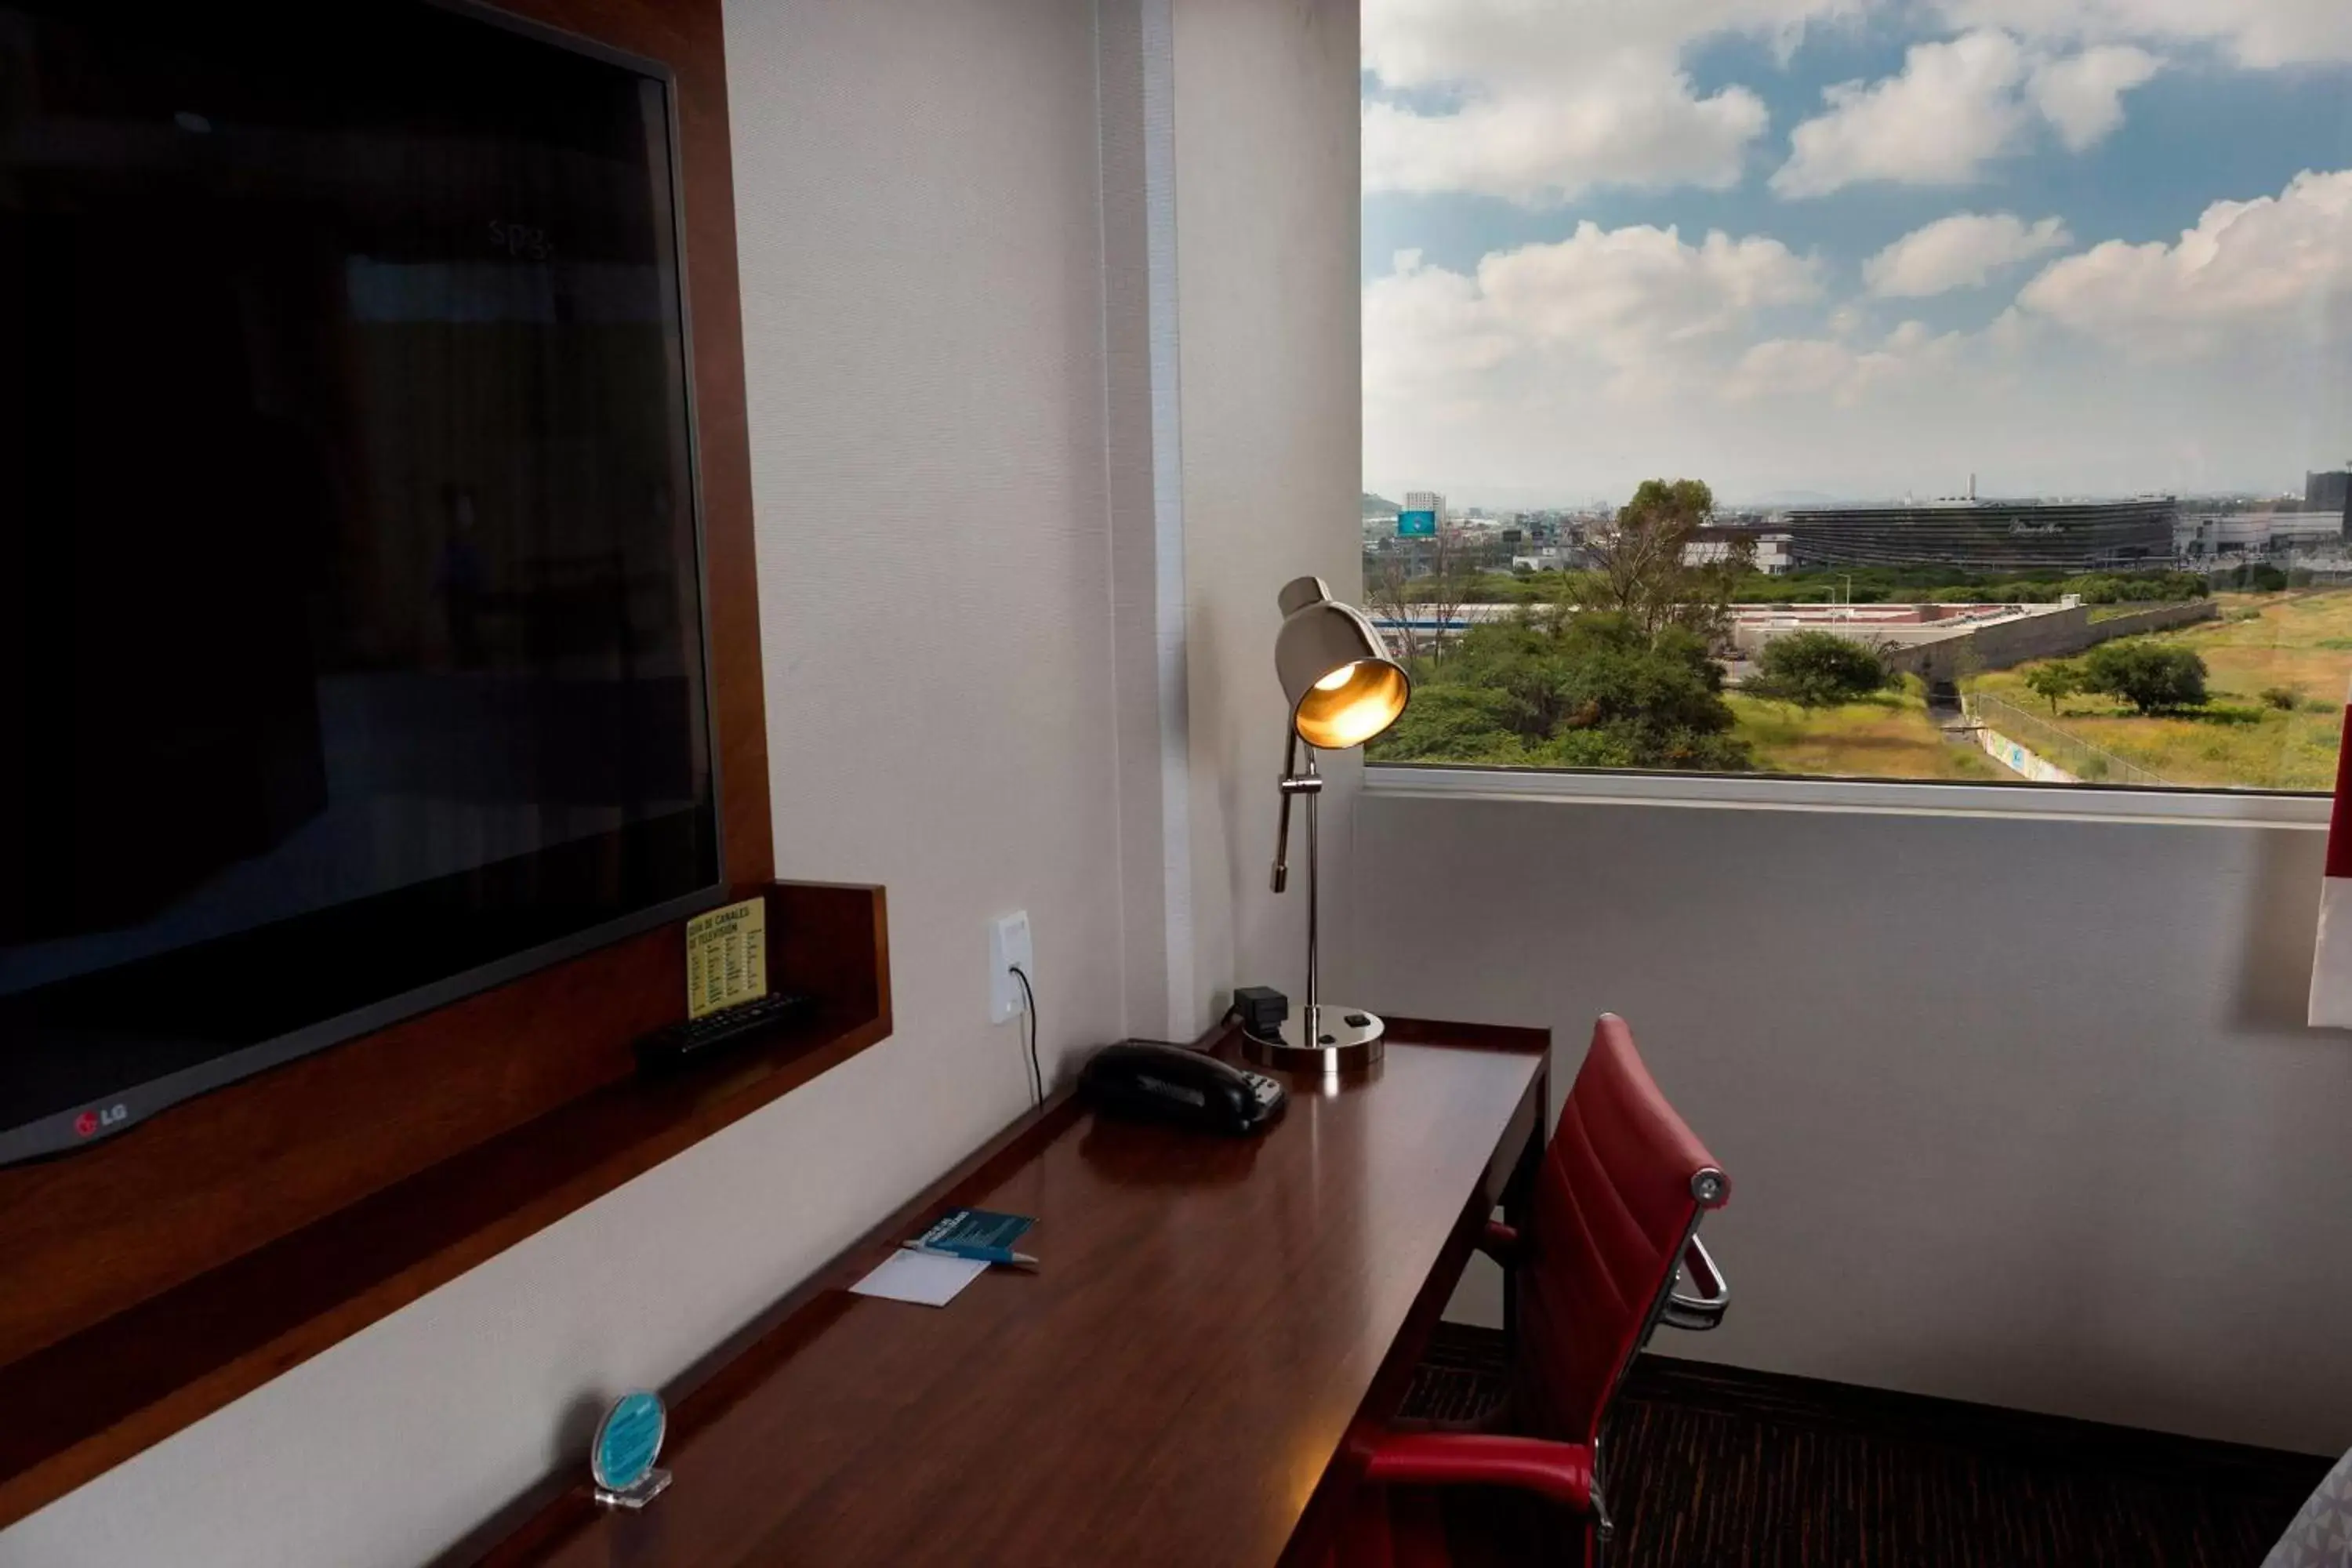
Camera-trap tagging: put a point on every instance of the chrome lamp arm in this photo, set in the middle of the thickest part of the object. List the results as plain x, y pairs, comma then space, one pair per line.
1294, 783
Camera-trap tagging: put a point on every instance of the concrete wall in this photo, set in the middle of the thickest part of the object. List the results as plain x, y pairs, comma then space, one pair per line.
2022, 759
1947, 653
2015, 1110
2156, 618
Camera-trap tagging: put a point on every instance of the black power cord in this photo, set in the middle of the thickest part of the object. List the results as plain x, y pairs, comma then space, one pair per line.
1036, 1074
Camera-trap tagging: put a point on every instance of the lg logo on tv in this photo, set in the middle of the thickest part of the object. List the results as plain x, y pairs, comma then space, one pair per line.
90, 1121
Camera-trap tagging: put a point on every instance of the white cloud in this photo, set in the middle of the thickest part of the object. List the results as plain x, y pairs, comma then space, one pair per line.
2259, 33
1640, 126
2083, 95
1516, 47
1569, 372
1953, 108
1958, 252
2278, 268
1791, 367
1622, 293
1537, 103
1426, 326
1829, 368
1635, 308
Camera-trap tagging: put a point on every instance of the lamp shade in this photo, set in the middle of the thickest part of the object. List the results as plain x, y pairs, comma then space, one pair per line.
1343, 687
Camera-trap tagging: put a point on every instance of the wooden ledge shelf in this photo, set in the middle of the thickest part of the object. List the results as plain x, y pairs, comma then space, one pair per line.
89, 1400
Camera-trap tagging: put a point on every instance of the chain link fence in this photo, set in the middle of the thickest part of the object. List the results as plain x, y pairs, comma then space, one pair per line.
2086, 762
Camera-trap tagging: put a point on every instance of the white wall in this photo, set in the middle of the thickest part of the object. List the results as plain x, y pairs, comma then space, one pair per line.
1273, 433
2014, 1111
920, 229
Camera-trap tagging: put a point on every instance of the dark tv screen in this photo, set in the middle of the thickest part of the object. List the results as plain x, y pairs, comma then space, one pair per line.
351, 646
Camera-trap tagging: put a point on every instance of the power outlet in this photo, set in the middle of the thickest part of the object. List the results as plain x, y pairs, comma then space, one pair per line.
1008, 944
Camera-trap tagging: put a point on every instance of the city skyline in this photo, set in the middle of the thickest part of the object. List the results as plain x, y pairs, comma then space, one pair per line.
1856, 250
1500, 508
2280, 497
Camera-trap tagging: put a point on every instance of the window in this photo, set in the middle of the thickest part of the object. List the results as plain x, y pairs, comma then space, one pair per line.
1928, 389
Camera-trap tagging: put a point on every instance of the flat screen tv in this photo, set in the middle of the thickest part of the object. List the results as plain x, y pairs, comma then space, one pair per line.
352, 606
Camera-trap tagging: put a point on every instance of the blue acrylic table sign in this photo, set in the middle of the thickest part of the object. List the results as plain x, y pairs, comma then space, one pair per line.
979, 1234
628, 1441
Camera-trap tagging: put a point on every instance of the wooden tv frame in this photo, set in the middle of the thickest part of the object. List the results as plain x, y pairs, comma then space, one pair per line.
153, 1279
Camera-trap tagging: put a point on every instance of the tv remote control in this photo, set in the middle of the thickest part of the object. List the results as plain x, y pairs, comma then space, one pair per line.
697, 1037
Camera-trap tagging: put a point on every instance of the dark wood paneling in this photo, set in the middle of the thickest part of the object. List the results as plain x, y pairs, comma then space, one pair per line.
1172, 1387
95, 1398
689, 37
154, 1278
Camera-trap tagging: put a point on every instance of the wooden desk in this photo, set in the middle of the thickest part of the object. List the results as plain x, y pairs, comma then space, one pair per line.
1173, 1386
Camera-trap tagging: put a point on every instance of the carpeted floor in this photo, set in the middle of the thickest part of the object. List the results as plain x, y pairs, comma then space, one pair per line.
1714, 1467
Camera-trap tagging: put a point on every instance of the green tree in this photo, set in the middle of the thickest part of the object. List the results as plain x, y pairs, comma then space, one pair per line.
1422, 583
1639, 568
2056, 682
1817, 669
1448, 721
2153, 677
1589, 690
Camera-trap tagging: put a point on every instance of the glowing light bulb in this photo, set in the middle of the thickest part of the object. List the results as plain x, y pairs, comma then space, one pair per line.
1337, 679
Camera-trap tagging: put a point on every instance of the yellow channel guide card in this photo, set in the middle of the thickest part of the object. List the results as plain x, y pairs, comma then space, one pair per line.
726, 957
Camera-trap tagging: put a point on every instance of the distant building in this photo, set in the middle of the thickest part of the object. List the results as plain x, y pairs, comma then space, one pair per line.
2223, 533
2329, 492
2304, 529
1987, 536
2257, 532
1425, 501
1712, 543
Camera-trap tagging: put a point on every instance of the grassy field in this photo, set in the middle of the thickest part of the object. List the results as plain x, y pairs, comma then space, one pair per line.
1889, 737
2299, 641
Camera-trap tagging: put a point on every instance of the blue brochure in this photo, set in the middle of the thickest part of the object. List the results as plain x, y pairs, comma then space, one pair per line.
976, 1233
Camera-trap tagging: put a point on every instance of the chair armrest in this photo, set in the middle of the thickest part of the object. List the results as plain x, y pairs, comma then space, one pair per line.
1560, 1471
1500, 1242
1698, 1313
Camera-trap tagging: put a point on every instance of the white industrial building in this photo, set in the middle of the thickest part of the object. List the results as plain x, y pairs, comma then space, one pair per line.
2256, 532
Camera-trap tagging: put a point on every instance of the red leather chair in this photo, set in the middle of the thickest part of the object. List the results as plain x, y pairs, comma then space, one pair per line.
1614, 1220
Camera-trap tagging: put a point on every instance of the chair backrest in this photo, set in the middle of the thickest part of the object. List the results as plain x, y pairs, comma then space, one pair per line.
1619, 1192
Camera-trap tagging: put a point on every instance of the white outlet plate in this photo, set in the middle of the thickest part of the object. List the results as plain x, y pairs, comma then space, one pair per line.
1008, 944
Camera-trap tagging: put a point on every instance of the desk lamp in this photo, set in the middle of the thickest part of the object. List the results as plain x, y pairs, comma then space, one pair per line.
1344, 689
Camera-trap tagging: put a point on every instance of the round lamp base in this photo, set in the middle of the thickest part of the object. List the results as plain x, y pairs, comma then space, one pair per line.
1329, 1040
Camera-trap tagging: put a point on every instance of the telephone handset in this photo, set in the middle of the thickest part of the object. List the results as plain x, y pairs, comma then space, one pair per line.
1169, 1083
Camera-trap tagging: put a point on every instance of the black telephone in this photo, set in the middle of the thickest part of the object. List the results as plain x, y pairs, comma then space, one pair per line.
1169, 1083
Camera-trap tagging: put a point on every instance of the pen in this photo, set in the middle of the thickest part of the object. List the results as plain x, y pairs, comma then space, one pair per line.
973, 1254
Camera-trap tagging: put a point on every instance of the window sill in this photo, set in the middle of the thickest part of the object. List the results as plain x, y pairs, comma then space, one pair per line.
1719, 792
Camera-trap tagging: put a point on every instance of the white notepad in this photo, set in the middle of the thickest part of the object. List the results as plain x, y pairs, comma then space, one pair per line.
923, 1277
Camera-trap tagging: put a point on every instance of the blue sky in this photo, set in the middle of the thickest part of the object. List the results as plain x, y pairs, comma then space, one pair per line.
1517, 354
